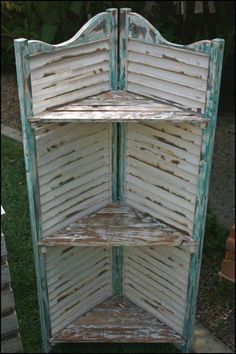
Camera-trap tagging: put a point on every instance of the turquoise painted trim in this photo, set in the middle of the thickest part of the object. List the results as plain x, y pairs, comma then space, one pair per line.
115, 269
122, 162
123, 39
124, 15
94, 30
112, 17
117, 274
118, 252
112, 30
100, 27
213, 90
23, 81
140, 28
113, 20
114, 162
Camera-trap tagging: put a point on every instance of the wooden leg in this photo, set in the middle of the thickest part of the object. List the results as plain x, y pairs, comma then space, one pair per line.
185, 348
47, 347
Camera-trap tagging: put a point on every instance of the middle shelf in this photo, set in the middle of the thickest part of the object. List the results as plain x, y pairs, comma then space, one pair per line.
118, 225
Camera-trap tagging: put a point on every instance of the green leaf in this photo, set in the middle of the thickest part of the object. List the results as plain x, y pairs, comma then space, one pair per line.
48, 32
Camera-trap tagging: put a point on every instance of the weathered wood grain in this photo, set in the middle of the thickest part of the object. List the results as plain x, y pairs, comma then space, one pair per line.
169, 94
7, 301
162, 169
216, 49
3, 250
79, 67
157, 68
119, 106
25, 98
5, 276
74, 171
117, 320
157, 282
96, 30
12, 345
9, 325
10, 338
118, 225
77, 279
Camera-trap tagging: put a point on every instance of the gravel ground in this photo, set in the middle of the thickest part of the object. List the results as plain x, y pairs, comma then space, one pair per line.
222, 183
214, 310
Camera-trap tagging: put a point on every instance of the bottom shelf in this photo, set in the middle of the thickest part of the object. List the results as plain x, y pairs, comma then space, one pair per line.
117, 320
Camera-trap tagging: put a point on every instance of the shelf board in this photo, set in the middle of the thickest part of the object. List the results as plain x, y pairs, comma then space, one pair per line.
117, 320
119, 106
118, 225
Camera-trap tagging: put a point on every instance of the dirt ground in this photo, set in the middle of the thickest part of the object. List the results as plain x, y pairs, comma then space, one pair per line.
221, 197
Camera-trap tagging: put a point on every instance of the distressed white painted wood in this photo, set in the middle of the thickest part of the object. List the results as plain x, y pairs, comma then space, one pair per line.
77, 280
113, 321
141, 246
156, 279
74, 172
10, 337
68, 74
174, 74
162, 169
118, 225
119, 106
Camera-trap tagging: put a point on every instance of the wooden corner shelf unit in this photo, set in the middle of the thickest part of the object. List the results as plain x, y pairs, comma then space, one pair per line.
118, 128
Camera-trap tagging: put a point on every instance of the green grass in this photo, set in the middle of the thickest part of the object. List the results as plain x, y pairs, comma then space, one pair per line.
16, 227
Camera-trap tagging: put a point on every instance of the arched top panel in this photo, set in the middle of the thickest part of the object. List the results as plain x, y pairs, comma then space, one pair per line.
84, 65
141, 29
97, 28
148, 64
154, 67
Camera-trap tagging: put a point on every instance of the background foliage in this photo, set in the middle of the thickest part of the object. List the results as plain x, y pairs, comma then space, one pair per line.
56, 21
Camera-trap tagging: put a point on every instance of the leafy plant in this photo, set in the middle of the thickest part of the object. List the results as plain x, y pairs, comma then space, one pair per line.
51, 22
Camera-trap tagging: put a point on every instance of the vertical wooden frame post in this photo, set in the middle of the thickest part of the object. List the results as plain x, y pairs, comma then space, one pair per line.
118, 252
123, 41
113, 30
211, 108
24, 91
112, 23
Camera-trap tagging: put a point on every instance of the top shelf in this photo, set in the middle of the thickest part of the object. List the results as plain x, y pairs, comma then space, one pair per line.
119, 106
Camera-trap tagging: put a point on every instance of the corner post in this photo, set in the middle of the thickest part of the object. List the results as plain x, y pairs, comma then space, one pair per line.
24, 91
211, 108
118, 252
123, 40
112, 24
